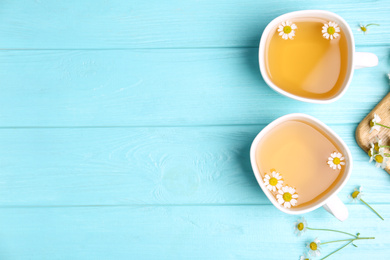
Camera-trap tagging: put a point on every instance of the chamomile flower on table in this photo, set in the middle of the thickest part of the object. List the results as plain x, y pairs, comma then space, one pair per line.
314, 247
300, 226
330, 30
287, 197
273, 182
380, 160
373, 123
305, 257
356, 196
364, 27
287, 30
336, 160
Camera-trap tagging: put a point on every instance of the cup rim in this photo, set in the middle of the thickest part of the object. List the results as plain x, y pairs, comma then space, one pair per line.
316, 13
327, 130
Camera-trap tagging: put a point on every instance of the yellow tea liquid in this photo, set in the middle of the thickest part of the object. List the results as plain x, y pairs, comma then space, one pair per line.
299, 151
308, 65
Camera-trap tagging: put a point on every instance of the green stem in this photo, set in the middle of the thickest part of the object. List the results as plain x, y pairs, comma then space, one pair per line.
352, 239
387, 154
337, 250
382, 125
385, 146
372, 24
332, 231
372, 209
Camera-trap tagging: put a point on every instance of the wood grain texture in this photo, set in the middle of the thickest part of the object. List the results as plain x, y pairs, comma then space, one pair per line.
44, 24
363, 136
125, 129
162, 87
224, 232
147, 166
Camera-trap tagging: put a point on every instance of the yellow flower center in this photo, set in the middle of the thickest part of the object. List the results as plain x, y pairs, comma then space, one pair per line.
379, 158
300, 226
372, 123
273, 181
364, 29
336, 160
331, 30
376, 147
287, 29
369, 153
355, 194
313, 246
287, 196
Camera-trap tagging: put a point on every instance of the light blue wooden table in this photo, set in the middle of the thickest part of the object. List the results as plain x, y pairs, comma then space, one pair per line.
126, 126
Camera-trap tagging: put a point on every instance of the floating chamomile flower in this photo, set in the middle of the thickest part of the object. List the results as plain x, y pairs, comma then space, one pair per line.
356, 195
300, 226
286, 30
330, 30
336, 160
304, 257
274, 182
373, 124
287, 197
314, 247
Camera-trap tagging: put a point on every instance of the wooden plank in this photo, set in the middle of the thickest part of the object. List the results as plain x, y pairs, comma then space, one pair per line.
44, 24
161, 87
147, 166
363, 136
227, 232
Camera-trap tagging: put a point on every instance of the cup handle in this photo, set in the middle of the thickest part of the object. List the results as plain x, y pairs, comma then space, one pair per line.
365, 60
337, 208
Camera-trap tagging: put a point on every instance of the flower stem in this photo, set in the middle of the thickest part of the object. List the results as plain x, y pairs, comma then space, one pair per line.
372, 24
337, 250
351, 239
332, 231
372, 209
384, 146
383, 125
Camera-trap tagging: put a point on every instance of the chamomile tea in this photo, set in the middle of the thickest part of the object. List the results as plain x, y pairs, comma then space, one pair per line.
299, 163
307, 57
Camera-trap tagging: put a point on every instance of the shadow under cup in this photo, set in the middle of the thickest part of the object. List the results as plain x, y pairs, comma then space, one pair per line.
329, 200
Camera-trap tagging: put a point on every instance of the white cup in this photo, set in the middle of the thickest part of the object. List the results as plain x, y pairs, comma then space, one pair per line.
330, 201
356, 60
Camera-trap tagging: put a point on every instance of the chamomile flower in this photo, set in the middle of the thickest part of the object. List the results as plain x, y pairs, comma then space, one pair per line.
364, 28
330, 30
380, 160
305, 257
378, 144
287, 30
371, 152
373, 124
287, 197
336, 160
356, 195
274, 182
300, 226
314, 247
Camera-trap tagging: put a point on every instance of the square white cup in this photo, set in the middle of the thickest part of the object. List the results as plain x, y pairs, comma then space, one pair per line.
330, 201
356, 60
